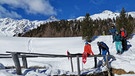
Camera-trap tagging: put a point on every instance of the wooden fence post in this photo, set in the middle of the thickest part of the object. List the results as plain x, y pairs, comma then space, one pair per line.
95, 60
108, 69
17, 63
71, 64
78, 65
24, 60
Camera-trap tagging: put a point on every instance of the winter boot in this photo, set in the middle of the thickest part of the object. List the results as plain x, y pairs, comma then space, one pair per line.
118, 52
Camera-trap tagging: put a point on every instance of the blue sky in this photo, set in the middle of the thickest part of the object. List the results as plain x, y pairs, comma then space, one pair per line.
61, 9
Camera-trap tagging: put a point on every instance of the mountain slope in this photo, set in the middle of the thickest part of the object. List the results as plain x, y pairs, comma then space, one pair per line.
10, 27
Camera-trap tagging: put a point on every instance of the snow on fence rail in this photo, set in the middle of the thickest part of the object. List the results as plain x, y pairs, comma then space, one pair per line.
16, 55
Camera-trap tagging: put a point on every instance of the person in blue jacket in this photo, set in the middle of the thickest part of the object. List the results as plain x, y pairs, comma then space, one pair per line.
112, 31
103, 49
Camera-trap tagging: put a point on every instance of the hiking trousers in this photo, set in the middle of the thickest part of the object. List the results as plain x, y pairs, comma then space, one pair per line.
118, 45
104, 54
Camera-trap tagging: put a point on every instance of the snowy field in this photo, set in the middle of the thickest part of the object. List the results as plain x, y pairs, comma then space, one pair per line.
58, 66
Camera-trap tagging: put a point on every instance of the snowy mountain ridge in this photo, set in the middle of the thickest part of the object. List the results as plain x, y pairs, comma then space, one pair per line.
106, 14
10, 27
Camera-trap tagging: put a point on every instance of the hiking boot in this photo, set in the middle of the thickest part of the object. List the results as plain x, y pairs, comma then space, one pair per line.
118, 52
121, 52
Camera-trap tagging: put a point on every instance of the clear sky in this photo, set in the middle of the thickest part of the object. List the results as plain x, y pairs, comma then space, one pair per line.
61, 9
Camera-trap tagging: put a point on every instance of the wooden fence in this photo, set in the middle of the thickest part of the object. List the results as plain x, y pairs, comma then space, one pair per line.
16, 55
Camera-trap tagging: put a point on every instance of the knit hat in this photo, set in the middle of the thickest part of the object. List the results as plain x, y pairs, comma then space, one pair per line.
86, 42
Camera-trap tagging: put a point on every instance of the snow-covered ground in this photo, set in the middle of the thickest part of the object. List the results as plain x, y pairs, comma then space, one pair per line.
58, 66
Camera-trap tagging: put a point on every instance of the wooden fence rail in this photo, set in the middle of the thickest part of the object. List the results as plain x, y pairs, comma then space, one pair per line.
24, 55
5, 56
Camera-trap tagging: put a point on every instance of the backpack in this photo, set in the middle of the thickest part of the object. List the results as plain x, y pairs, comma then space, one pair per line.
123, 34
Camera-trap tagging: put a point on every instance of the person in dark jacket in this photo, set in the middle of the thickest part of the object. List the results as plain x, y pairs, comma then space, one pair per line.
103, 48
112, 31
118, 43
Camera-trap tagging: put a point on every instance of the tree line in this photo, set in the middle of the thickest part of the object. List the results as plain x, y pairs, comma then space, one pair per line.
87, 28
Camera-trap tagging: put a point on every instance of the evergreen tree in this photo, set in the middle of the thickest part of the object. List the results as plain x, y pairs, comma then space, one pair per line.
124, 20
87, 27
121, 21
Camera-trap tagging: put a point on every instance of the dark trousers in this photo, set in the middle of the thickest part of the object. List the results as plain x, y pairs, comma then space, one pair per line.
124, 44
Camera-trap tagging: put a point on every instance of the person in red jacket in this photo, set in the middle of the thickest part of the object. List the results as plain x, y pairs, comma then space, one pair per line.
123, 34
88, 49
